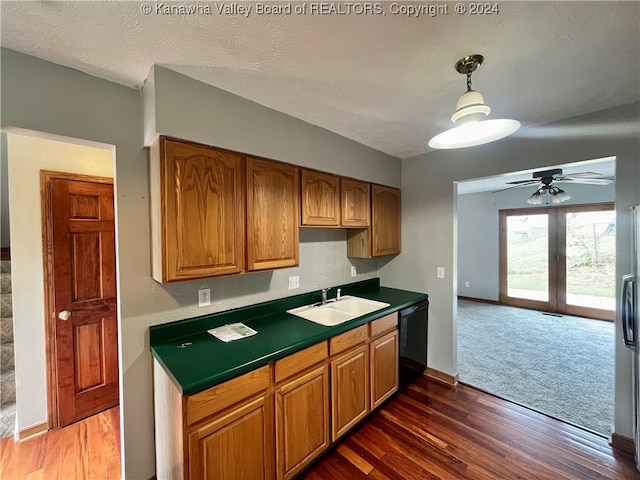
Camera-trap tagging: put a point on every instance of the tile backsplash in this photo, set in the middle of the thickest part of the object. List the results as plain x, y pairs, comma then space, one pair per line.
323, 263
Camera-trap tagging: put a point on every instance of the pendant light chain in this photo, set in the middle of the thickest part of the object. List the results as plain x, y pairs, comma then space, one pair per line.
469, 81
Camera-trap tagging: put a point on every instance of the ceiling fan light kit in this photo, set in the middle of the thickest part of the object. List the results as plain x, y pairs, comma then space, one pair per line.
472, 127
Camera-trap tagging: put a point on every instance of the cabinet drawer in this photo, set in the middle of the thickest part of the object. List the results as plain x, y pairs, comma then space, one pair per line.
383, 324
299, 361
348, 339
215, 399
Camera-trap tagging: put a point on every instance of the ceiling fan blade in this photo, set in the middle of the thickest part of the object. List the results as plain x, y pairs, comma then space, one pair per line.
581, 175
593, 181
515, 186
522, 182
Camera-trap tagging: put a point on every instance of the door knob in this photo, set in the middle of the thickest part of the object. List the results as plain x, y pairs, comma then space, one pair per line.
64, 315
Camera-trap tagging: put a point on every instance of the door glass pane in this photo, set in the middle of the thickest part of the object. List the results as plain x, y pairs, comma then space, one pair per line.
528, 257
591, 259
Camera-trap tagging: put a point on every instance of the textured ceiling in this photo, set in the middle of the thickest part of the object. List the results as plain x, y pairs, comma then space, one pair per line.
386, 81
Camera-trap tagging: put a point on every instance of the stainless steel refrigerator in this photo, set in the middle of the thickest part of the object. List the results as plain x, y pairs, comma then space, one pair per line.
631, 323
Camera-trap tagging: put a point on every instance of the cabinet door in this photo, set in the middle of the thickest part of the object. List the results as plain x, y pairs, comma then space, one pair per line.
386, 220
237, 445
356, 203
302, 421
320, 199
349, 390
384, 367
199, 215
273, 210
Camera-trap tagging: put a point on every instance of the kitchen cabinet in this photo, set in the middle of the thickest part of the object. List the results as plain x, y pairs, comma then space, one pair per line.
383, 355
225, 431
320, 199
275, 420
355, 203
273, 210
386, 220
302, 409
197, 209
238, 444
383, 237
349, 390
302, 421
349, 379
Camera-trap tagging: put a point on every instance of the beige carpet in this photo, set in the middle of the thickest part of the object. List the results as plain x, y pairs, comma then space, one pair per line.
562, 366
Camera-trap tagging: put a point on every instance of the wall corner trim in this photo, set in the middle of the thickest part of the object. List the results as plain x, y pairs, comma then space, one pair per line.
445, 378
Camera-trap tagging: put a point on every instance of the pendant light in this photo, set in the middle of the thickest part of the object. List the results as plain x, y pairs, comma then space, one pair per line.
472, 128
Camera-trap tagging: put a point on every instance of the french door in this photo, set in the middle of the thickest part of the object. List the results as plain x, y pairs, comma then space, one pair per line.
559, 259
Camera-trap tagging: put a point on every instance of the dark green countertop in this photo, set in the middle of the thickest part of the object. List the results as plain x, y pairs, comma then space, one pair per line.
208, 361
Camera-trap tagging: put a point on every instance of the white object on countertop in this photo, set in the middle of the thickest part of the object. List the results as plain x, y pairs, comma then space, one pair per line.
232, 331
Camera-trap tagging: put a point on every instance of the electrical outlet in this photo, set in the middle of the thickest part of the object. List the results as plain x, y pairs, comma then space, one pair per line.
466, 284
440, 272
294, 282
204, 297
353, 271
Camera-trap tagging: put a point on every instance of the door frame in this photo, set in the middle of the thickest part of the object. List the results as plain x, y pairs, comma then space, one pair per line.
47, 263
552, 225
557, 260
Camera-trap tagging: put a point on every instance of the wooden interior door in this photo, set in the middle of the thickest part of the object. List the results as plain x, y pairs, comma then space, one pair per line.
83, 297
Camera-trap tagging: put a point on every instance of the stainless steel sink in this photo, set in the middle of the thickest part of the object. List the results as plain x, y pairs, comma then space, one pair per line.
337, 312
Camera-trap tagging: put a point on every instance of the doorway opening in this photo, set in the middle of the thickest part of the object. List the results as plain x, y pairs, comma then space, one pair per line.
534, 284
28, 153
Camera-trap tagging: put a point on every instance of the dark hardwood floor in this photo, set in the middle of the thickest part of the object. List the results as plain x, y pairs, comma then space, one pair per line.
427, 432
431, 431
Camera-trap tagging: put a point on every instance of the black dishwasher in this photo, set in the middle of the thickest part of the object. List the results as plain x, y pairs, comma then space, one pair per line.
413, 326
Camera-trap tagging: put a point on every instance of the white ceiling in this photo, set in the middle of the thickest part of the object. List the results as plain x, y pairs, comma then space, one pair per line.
386, 81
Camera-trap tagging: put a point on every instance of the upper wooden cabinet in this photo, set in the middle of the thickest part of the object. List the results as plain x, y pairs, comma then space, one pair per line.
273, 209
197, 203
355, 203
386, 220
320, 199
383, 237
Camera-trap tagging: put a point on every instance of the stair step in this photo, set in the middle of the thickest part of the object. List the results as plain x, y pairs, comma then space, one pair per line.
6, 305
7, 388
7, 420
5, 266
7, 361
6, 330
5, 283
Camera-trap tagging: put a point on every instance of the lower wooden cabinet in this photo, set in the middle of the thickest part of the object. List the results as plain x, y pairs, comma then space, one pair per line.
349, 390
302, 421
238, 444
273, 421
384, 367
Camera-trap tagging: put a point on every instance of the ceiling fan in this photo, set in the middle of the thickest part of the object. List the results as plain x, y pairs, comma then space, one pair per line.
546, 177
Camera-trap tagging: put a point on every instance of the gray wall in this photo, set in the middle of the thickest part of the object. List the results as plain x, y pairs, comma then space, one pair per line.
429, 217
186, 108
4, 193
45, 97
478, 234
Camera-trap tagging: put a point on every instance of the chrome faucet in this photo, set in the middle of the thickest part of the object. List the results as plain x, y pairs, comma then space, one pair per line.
324, 295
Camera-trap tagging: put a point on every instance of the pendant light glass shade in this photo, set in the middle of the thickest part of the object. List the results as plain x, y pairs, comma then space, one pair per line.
472, 128
474, 133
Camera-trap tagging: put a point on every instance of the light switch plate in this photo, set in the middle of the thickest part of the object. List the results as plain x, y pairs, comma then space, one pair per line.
440, 272
204, 297
466, 284
294, 282
353, 271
